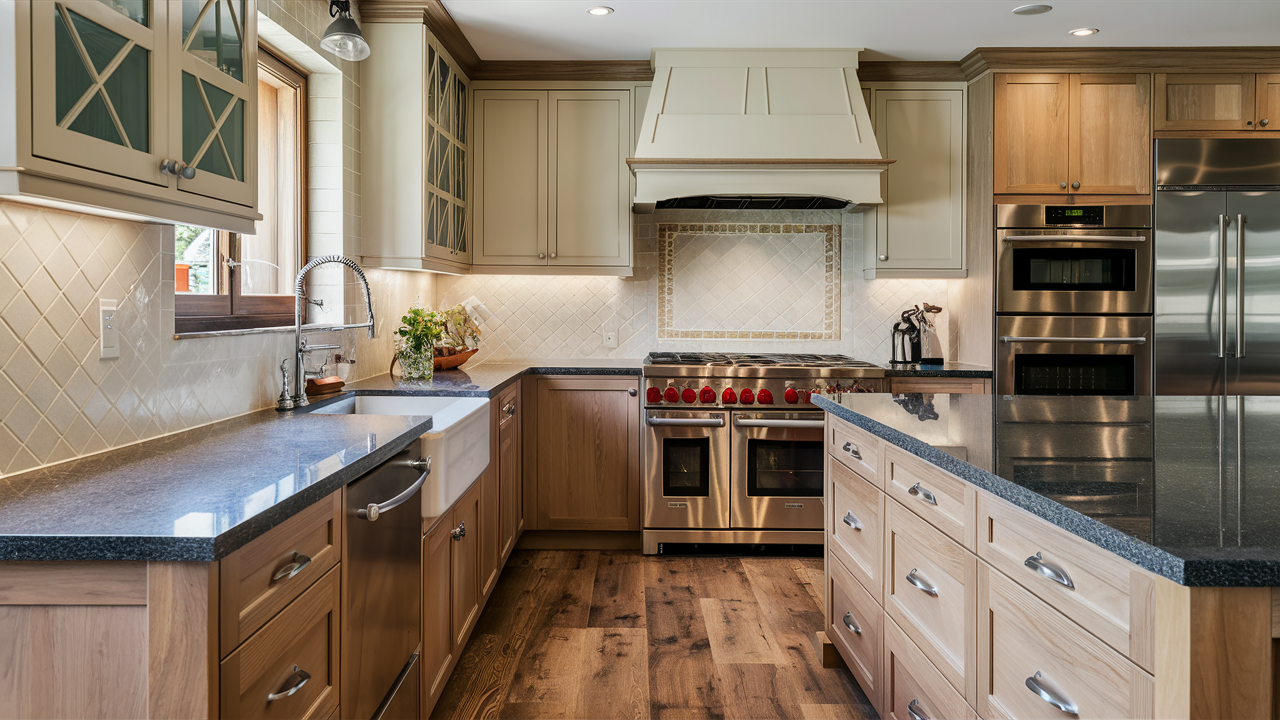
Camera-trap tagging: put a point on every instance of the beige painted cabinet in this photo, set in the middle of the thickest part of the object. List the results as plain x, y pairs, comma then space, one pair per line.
147, 107
551, 186
1217, 102
919, 229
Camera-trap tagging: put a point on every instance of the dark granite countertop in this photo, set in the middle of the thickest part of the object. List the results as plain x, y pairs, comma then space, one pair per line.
946, 369
1186, 487
487, 379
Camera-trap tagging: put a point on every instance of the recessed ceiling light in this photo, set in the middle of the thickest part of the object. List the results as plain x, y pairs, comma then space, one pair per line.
600, 10
1082, 32
1032, 9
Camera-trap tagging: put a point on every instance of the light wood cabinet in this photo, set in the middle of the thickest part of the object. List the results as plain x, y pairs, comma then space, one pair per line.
551, 185
855, 448
857, 625
1267, 101
1060, 134
942, 499
913, 687
107, 96
855, 510
588, 453
918, 231
1217, 102
938, 385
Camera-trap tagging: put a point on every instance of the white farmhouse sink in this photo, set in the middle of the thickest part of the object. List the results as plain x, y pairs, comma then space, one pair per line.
458, 441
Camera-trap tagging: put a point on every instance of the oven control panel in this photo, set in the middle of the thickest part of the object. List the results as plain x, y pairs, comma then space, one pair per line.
750, 392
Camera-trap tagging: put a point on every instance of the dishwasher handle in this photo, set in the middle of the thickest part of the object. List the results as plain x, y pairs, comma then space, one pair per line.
372, 512
801, 424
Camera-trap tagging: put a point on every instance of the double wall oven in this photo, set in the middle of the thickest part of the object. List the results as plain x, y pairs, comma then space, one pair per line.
1073, 300
734, 446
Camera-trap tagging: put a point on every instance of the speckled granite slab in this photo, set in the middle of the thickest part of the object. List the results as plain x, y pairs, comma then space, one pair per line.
1186, 487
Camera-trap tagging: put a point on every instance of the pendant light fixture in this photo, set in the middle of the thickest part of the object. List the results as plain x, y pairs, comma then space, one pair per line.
343, 38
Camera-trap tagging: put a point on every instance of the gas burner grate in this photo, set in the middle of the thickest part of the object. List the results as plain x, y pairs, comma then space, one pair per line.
801, 360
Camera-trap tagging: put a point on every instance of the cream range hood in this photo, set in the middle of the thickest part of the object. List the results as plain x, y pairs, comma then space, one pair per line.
737, 122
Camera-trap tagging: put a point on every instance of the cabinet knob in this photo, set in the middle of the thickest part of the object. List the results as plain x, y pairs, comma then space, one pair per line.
884, 257
1075, 185
542, 256
1062, 185
169, 167
1248, 122
1264, 122
553, 256
633, 392
188, 172
459, 532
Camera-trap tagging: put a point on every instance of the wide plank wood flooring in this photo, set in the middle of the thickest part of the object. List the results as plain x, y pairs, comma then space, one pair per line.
596, 634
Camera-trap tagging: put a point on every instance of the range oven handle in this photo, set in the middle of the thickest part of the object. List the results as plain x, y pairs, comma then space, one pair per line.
685, 422
1007, 339
1075, 238
800, 424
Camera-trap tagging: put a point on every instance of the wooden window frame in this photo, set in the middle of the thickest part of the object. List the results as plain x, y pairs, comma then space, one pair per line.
229, 309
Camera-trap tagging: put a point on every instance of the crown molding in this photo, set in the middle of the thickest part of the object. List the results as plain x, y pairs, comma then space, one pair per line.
600, 70
909, 71
1133, 60
435, 16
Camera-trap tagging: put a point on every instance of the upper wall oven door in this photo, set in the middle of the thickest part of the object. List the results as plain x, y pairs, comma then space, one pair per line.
1079, 355
1063, 271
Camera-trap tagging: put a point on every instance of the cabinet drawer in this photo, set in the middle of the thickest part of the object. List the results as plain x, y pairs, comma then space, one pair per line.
904, 385
259, 579
1022, 642
913, 687
944, 500
855, 448
929, 592
856, 621
305, 636
855, 531
1105, 594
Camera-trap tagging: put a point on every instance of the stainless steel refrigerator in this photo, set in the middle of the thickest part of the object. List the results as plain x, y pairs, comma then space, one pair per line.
1217, 267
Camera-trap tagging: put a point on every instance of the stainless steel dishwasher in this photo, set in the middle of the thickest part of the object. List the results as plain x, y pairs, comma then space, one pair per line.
382, 590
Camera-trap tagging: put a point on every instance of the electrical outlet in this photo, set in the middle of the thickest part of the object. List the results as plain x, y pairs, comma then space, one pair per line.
610, 338
109, 336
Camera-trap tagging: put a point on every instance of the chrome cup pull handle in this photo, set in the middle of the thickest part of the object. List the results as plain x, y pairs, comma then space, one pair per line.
852, 450
915, 711
374, 510
851, 624
293, 684
1050, 570
295, 566
921, 583
1049, 695
923, 494
852, 520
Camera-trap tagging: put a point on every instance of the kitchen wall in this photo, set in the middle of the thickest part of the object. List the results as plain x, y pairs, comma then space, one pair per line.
538, 316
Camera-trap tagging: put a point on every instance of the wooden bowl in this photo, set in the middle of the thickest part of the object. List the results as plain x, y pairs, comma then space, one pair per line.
449, 362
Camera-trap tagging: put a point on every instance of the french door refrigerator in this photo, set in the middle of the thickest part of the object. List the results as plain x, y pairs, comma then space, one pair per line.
1217, 267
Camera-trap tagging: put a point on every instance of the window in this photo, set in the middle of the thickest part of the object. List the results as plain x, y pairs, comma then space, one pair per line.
228, 281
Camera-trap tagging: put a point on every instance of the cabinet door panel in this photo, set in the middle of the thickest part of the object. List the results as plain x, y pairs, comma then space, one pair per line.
589, 192
1111, 134
509, 477
437, 637
1031, 133
1268, 100
1191, 101
588, 454
465, 578
510, 194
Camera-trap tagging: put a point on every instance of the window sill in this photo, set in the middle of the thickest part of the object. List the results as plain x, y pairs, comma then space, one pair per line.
251, 331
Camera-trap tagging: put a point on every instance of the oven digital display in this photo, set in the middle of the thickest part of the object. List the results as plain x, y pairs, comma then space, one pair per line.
1088, 215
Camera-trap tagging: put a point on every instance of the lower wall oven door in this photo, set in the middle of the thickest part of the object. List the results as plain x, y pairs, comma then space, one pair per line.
777, 470
686, 464
1073, 355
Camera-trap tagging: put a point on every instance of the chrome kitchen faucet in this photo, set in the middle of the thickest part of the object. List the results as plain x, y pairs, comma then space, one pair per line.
298, 397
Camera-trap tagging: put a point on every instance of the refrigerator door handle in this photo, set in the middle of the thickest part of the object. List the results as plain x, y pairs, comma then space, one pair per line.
1240, 220
1222, 285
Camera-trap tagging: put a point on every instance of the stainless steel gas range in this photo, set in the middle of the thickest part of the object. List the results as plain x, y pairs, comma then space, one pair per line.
734, 445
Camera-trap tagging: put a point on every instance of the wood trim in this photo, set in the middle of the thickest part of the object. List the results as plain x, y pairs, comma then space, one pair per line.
1073, 199
908, 71
581, 540
1133, 60
182, 638
435, 16
73, 583
529, 452
564, 70
1212, 134
1230, 652
798, 162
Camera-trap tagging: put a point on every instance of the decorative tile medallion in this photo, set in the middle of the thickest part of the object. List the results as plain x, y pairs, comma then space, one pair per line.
748, 281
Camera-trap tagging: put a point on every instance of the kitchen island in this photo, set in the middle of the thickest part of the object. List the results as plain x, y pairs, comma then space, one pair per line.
1033, 556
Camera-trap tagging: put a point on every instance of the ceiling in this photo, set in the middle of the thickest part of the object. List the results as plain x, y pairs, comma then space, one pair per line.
889, 29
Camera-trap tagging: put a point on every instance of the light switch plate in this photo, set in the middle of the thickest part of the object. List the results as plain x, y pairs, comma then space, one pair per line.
109, 336
610, 338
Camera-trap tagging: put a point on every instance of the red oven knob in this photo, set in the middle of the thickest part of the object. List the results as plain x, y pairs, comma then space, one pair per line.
791, 396
689, 395
764, 397
671, 395
653, 395
728, 397
707, 395
748, 397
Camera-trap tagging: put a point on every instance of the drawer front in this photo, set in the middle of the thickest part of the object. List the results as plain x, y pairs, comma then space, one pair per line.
944, 500
913, 687
855, 533
856, 621
855, 448
1103, 593
902, 386
304, 635
259, 579
928, 591
1024, 644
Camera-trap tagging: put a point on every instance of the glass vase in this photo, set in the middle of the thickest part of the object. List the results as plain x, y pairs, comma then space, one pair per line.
417, 365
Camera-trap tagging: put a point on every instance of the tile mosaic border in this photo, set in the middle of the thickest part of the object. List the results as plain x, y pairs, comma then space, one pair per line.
667, 233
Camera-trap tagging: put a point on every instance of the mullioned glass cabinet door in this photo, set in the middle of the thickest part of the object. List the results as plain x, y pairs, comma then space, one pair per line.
213, 92
99, 75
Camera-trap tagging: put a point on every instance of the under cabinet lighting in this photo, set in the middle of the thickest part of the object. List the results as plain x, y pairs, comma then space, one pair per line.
1032, 9
1083, 32
600, 10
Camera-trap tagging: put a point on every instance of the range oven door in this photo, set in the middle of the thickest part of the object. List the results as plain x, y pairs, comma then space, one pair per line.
686, 469
777, 470
1055, 355
1061, 271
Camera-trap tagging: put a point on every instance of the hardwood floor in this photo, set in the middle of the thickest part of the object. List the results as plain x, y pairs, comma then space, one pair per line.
595, 634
